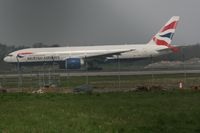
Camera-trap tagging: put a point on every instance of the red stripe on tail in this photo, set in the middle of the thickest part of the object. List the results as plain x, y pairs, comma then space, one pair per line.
164, 43
170, 26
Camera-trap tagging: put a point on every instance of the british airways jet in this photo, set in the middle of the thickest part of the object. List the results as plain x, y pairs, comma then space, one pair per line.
75, 57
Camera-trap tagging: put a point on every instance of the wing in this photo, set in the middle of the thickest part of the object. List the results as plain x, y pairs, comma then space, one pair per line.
102, 54
108, 54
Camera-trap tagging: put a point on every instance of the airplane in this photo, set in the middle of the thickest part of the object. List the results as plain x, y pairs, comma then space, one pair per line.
76, 57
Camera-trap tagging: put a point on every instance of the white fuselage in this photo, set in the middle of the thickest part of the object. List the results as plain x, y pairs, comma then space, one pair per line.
63, 53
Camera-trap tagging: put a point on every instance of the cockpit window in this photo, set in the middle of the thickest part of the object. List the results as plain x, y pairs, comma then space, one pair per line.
10, 55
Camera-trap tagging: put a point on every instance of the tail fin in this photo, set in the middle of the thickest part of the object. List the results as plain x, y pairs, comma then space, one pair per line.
165, 35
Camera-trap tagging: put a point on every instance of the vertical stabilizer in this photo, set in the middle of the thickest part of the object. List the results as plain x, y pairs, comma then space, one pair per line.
165, 35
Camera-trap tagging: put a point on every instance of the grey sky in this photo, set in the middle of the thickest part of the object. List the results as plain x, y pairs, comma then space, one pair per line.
91, 22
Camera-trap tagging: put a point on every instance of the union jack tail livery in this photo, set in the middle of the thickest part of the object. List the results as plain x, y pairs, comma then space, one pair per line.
165, 35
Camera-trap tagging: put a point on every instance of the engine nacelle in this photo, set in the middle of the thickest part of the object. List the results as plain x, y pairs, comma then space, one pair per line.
73, 63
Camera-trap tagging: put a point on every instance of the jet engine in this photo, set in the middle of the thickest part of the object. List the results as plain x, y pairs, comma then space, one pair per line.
73, 63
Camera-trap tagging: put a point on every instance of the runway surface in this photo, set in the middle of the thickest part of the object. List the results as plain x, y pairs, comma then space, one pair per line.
103, 73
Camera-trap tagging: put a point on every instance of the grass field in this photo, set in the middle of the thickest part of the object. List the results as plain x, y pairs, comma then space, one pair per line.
119, 112
166, 80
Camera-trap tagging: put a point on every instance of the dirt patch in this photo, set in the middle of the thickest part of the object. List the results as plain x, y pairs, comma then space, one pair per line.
150, 88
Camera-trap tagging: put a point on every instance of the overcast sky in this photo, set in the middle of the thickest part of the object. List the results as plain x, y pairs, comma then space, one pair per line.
92, 22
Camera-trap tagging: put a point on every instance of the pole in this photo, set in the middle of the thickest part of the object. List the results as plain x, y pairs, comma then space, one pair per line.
152, 76
43, 77
119, 72
49, 77
19, 73
86, 65
185, 74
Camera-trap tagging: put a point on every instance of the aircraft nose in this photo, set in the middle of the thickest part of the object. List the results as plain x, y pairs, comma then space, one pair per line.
6, 59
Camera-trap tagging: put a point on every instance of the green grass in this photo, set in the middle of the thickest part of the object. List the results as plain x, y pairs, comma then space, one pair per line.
134, 112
